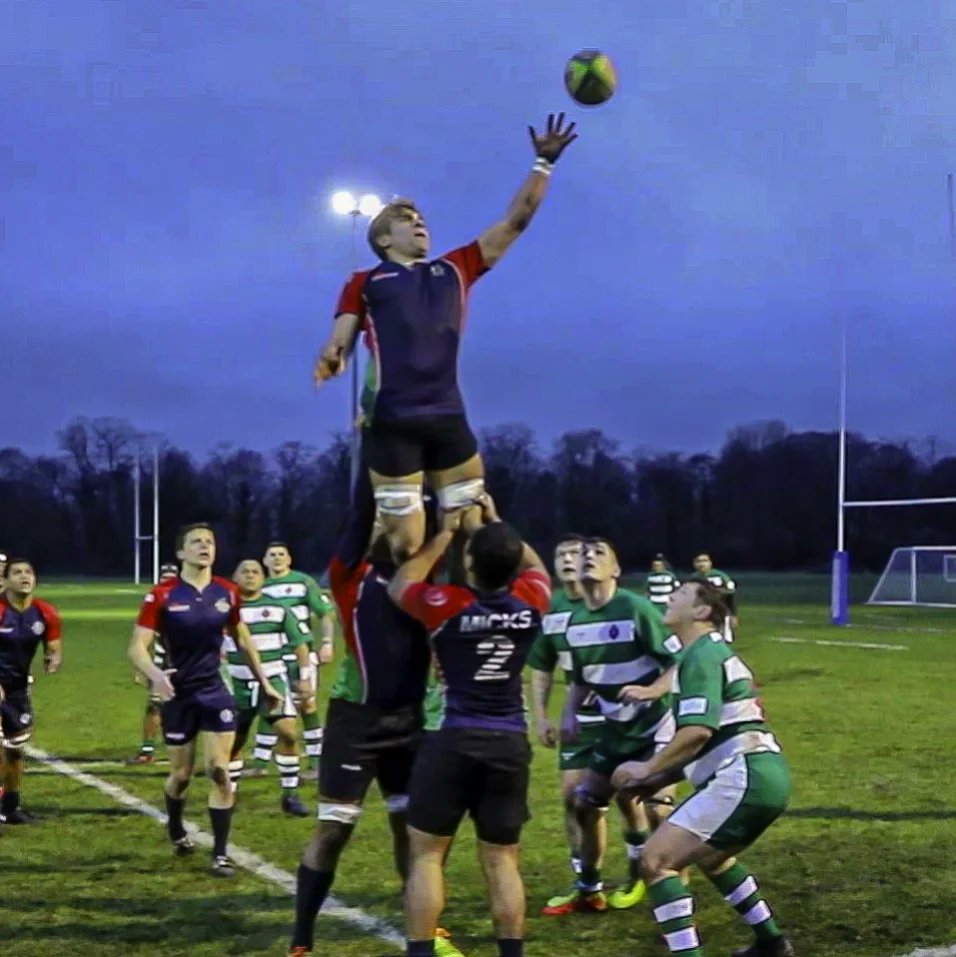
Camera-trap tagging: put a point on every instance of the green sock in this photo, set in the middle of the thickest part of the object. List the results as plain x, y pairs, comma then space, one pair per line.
312, 735
741, 891
635, 841
148, 746
674, 912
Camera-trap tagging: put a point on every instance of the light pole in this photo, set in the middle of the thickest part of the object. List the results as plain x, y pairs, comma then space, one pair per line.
366, 206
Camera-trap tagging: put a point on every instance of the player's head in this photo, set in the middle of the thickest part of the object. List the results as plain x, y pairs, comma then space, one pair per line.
703, 563
659, 564
697, 601
278, 558
21, 577
399, 232
493, 556
598, 561
196, 545
566, 556
168, 571
249, 576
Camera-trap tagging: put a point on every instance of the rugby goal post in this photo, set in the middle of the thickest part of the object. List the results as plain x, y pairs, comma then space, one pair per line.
923, 575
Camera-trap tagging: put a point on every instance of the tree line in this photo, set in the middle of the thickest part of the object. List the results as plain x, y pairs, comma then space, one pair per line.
765, 501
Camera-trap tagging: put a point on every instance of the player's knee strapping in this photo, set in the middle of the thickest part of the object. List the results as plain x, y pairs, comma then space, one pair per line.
235, 773
339, 813
461, 494
585, 798
396, 803
288, 765
400, 499
265, 742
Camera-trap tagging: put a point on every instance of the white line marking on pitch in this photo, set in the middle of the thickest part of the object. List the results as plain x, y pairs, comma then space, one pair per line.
933, 952
245, 859
842, 644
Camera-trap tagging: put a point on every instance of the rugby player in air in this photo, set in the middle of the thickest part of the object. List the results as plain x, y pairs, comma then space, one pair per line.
412, 311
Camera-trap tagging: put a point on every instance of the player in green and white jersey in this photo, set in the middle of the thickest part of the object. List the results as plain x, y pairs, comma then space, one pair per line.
661, 583
620, 655
704, 571
741, 780
551, 651
276, 633
303, 595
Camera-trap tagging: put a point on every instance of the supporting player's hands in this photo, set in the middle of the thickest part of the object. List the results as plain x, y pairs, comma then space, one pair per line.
547, 732
556, 137
162, 685
489, 511
451, 519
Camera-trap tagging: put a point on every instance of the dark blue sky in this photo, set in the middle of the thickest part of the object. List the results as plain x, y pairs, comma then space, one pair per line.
169, 257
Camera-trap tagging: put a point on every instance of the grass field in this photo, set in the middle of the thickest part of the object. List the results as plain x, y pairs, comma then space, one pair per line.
861, 866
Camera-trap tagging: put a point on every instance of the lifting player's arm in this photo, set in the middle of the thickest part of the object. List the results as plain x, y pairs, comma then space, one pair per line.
334, 355
239, 632
548, 146
419, 566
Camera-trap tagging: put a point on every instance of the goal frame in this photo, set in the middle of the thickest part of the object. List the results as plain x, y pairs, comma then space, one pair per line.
912, 603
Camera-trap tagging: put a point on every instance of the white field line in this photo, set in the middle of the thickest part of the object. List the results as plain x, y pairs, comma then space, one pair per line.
871, 645
245, 859
933, 952
902, 629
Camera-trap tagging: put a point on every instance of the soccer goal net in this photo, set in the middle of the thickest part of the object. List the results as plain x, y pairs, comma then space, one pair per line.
918, 575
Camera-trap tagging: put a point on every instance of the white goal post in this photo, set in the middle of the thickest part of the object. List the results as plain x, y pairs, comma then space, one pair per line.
918, 575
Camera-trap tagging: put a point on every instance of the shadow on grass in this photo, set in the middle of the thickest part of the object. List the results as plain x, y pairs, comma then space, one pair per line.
858, 814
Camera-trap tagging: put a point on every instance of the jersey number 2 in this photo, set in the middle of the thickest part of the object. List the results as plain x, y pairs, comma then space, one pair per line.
497, 651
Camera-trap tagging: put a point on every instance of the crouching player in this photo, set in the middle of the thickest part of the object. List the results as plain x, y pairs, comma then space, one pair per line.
276, 632
724, 746
25, 623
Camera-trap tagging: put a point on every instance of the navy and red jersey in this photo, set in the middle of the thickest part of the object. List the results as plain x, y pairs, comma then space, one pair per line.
20, 635
481, 641
387, 656
413, 317
191, 624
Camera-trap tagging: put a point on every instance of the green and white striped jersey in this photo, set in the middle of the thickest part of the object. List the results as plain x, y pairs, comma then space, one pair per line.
551, 650
302, 594
660, 586
714, 689
275, 632
623, 643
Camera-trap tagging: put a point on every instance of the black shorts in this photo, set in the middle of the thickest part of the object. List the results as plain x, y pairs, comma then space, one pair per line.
361, 744
207, 709
16, 718
425, 443
469, 770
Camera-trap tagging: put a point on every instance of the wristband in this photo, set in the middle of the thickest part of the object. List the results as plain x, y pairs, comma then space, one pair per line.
543, 166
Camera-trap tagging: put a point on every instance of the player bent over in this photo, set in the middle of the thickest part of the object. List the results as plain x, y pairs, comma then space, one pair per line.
304, 597
551, 650
151, 719
412, 312
621, 655
192, 614
724, 746
374, 719
478, 762
25, 623
275, 632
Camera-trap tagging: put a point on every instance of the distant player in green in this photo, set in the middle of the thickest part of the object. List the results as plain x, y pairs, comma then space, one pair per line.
621, 656
742, 783
704, 571
276, 633
661, 583
550, 651
152, 719
303, 595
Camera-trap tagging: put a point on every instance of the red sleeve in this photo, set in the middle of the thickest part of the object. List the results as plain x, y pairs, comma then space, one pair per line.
151, 608
469, 262
236, 601
54, 627
433, 605
534, 587
352, 299
344, 582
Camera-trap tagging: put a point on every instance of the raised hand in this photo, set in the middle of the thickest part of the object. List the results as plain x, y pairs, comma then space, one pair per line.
550, 144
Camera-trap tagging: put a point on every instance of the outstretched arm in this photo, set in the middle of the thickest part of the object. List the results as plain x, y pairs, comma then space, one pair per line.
548, 146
